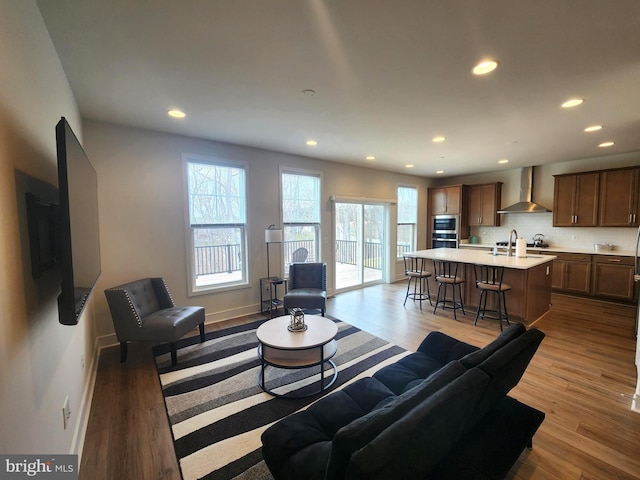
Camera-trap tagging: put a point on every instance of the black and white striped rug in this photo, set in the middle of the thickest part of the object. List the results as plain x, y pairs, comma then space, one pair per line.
216, 409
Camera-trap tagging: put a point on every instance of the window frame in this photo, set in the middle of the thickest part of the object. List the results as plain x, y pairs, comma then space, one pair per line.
243, 282
414, 234
317, 255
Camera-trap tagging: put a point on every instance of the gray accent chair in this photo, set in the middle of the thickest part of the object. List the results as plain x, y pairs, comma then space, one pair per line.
143, 311
307, 287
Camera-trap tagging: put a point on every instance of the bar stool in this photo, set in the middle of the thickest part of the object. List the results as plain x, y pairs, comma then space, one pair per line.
414, 268
446, 273
489, 280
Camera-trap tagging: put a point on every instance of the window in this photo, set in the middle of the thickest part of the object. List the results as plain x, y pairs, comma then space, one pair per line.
407, 219
300, 217
217, 224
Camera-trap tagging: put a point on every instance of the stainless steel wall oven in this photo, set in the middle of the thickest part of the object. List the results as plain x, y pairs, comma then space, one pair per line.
445, 231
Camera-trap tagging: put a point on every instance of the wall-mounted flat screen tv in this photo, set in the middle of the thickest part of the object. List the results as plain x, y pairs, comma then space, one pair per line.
78, 223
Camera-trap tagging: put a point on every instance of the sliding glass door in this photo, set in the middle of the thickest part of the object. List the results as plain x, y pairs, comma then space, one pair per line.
360, 249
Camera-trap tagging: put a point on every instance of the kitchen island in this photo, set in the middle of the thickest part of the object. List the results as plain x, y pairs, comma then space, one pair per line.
529, 277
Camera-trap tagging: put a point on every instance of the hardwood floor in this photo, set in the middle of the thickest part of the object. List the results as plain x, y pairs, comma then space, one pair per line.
583, 377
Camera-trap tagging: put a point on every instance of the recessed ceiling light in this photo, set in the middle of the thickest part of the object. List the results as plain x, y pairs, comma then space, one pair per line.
370, 157
593, 128
439, 172
606, 144
438, 139
410, 165
504, 160
176, 113
485, 67
573, 102
312, 143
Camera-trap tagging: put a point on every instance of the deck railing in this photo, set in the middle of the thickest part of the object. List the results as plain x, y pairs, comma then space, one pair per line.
226, 258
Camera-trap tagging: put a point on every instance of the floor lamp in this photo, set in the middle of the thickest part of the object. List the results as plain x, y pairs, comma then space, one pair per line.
271, 235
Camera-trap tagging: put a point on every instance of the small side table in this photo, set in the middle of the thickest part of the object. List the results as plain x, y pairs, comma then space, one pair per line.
273, 302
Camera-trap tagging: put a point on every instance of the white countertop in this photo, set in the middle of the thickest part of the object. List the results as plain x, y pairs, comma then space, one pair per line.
553, 249
484, 257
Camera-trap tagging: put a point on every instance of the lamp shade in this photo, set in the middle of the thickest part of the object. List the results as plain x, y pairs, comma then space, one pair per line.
273, 235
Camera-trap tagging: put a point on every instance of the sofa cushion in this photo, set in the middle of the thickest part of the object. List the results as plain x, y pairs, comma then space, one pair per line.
475, 358
415, 366
443, 348
435, 351
411, 445
361, 431
319, 423
312, 460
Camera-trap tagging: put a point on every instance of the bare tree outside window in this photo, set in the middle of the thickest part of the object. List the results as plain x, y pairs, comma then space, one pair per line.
407, 220
300, 217
217, 217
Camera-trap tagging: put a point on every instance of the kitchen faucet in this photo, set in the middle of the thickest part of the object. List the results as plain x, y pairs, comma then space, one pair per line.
512, 233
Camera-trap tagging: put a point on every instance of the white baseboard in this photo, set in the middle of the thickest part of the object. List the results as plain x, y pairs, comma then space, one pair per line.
80, 432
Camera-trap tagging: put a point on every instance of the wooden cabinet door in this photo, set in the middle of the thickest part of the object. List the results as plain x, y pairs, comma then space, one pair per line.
453, 195
438, 198
572, 273
586, 204
445, 200
577, 277
557, 281
613, 277
563, 201
575, 200
483, 204
619, 198
476, 204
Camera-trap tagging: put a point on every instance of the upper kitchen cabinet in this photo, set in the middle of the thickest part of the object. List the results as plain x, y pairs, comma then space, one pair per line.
446, 200
619, 198
484, 202
575, 200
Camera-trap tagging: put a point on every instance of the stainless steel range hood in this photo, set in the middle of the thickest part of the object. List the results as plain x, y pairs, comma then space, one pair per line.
526, 203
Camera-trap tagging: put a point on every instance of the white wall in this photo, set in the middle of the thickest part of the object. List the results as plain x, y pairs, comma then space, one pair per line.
40, 359
528, 225
142, 222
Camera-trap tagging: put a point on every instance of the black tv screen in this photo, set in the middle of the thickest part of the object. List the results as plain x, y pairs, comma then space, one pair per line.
78, 222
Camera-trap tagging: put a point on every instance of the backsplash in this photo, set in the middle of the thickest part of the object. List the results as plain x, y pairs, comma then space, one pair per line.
529, 224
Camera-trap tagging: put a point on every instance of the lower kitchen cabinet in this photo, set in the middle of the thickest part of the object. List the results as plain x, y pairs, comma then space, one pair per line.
572, 273
603, 276
613, 277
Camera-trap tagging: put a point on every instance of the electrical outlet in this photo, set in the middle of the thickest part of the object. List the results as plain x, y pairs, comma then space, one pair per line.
82, 361
574, 237
66, 413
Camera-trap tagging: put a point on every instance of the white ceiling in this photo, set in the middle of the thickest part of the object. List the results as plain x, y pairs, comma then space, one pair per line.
389, 75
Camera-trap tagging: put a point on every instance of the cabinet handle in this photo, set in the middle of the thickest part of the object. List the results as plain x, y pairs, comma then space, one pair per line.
613, 260
630, 218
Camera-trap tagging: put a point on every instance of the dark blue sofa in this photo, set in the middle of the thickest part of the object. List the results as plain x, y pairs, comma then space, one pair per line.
439, 413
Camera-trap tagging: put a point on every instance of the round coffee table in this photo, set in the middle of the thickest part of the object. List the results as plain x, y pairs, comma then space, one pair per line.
282, 348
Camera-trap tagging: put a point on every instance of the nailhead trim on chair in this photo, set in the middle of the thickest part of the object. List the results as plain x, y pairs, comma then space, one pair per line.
173, 304
133, 309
